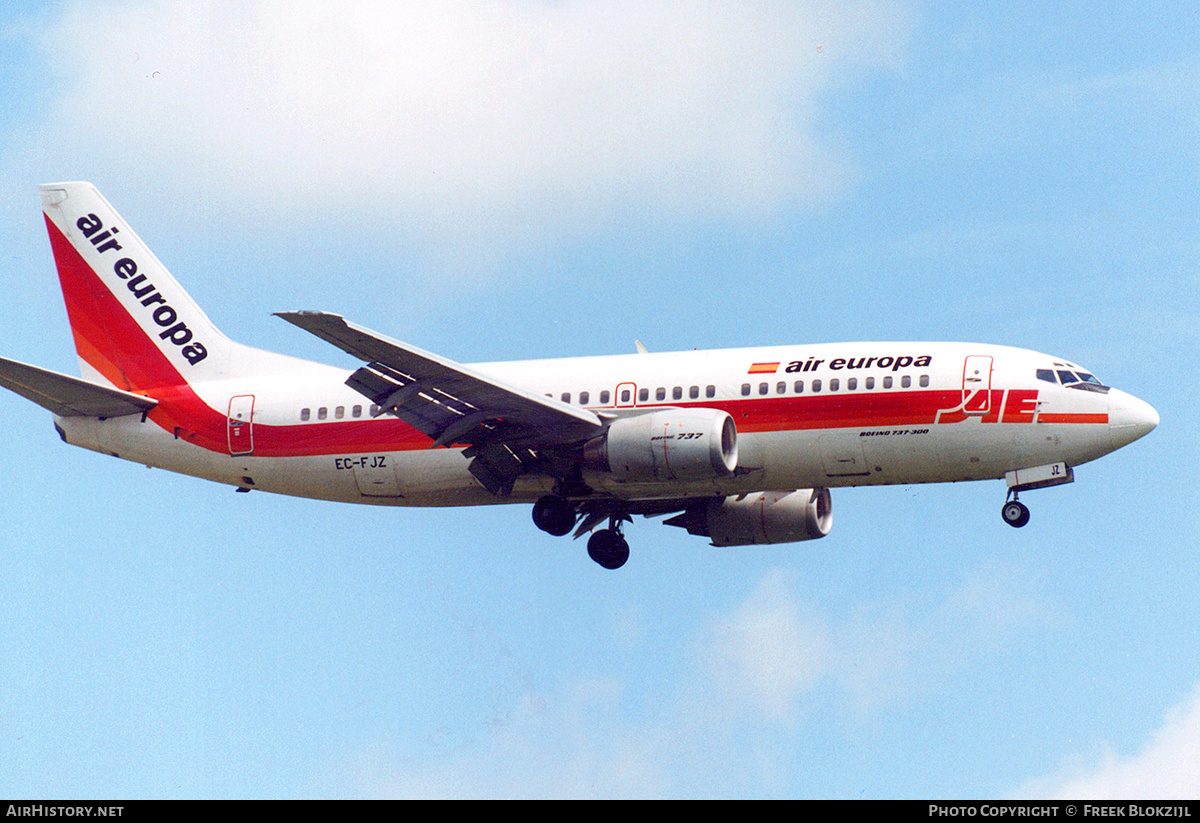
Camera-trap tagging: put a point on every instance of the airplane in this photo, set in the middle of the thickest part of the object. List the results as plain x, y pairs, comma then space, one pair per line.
741, 445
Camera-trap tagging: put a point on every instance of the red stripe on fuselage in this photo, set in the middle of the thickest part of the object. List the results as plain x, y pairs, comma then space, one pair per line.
109, 339
1067, 417
756, 415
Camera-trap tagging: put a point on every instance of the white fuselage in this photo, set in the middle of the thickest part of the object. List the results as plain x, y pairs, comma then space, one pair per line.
807, 416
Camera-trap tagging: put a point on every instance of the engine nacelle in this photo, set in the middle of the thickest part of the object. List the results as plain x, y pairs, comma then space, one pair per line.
673, 444
761, 517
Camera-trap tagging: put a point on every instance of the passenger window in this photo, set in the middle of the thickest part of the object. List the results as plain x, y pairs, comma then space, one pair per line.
322, 413
305, 414
566, 397
660, 393
870, 383
763, 388
905, 381
798, 387
745, 390
604, 396
924, 381
851, 383
677, 393
625, 395
356, 411
694, 392
339, 412
816, 386
584, 397
375, 409
781, 387
887, 382
710, 391
643, 395
834, 384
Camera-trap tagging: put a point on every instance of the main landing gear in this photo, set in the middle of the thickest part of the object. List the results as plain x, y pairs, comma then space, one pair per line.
554, 514
608, 547
557, 515
1014, 512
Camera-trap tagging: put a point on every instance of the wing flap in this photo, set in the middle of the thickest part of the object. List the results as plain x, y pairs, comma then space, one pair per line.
505, 426
437, 392
69, 396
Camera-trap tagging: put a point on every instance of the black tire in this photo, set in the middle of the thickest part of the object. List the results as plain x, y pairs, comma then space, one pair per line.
608, 548
1015, 513
554, 514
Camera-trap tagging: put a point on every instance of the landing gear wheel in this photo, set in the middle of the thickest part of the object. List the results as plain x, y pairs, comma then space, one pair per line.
1015, 513
608, 548
554, 514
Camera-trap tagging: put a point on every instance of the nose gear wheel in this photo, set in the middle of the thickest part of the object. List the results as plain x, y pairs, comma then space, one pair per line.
1015, 513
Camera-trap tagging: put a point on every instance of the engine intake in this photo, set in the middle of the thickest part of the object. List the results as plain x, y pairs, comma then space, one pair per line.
761, 517
673, 444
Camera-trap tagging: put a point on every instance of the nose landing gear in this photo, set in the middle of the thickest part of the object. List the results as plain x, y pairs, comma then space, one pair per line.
1014, 512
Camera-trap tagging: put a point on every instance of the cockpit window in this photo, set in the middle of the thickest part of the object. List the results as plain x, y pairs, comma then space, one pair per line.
1072, 378
1088, 382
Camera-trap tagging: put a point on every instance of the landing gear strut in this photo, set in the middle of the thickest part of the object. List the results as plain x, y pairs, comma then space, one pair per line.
1015, 513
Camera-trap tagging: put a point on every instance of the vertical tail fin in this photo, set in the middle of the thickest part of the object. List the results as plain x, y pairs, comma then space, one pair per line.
133, 324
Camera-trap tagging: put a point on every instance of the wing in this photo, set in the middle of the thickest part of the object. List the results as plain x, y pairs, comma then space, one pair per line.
508, 430
69, 396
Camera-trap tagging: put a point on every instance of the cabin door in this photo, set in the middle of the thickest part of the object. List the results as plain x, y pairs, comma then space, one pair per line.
241, 424
977, 384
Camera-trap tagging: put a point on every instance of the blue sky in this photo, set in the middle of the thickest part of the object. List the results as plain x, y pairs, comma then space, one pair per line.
525, 179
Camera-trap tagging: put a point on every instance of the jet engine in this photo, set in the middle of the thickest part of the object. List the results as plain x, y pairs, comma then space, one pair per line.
761, 517
668, 445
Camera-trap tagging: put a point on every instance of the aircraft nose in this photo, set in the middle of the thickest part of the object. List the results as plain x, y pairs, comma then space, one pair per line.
1128, 418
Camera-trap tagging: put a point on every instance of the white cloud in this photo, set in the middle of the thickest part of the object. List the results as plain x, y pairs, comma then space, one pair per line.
1166, 767
770, 651
470, 114
726, 724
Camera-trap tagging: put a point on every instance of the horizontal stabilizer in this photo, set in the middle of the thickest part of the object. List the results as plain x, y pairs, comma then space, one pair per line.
69, 396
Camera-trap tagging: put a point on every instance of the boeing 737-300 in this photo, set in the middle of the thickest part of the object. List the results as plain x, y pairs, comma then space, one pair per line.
740, 445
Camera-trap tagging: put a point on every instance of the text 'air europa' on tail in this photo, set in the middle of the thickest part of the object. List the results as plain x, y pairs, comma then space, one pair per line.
133, 325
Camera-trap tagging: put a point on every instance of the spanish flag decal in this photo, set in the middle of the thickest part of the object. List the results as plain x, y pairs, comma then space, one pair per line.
764, 368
